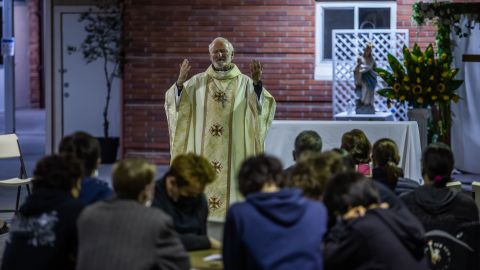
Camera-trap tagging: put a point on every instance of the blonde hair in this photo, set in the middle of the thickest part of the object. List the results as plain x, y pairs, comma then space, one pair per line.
131, 175
191, 169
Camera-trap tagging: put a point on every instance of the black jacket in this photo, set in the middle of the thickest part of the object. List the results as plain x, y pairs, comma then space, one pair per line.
441, 208
381, 239
189, 217
43, 235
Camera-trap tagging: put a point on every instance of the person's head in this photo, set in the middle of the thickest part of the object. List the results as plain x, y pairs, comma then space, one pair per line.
385, 157
59, 172
437, 164
84, 147
368, 50
357, 144
347, 190
307, 140
221, 53
188, 176
347, 159
132, 179
259, 172
313, 172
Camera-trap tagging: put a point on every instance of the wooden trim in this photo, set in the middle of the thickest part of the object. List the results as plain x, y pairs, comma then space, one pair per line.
471, 58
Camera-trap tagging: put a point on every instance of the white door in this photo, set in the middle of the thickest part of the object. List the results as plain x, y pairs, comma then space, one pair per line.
80, 88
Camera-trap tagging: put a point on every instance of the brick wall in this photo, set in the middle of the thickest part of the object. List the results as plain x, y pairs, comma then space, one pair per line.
34, 53
279, 33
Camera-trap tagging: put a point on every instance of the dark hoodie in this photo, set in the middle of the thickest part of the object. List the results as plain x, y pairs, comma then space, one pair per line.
43, 235
381, 239
280, 230
441, 208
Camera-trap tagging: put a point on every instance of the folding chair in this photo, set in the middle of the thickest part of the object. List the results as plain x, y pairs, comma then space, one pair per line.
10, 148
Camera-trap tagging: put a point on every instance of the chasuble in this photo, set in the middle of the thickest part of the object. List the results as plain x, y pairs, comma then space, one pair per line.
219, 116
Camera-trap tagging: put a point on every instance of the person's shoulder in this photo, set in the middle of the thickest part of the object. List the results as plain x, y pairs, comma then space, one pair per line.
465, 200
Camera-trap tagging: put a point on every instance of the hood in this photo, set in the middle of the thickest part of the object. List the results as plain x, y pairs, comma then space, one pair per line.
434, 200
285, 207
43, 200
408, 230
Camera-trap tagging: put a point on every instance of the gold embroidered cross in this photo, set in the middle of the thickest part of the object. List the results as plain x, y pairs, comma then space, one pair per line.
214, 203
217, 166
220, 96
216, 130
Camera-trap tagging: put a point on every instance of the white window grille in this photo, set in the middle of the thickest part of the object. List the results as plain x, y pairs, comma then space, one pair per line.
347, 46
356, 15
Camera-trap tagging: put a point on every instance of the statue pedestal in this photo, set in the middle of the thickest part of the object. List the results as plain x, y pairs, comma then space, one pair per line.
378, 116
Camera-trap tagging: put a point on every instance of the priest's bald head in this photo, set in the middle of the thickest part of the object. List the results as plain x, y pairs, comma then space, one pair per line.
221, 53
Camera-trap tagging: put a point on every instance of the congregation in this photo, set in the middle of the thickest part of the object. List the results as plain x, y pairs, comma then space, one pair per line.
345, 208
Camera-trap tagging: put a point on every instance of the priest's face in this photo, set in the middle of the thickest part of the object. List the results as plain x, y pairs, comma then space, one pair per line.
221, 55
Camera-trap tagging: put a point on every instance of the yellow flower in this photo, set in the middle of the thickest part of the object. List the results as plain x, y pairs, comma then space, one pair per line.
420, 60
444, 56
407, 87
420, 100
446, 98
406, 79
417, 70
441, 87
445, 74
429, 89
417, 89
419, 80
434, 97
429, 62
456, 99
402, 98
396, 87
432, 78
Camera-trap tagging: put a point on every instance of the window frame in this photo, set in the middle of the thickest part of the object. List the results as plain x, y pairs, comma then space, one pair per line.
323, 68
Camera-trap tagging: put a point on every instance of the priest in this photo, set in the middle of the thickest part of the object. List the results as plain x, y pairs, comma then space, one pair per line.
222, 115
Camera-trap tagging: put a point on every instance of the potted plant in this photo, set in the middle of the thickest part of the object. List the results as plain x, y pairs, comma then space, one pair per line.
104, 42
424, 82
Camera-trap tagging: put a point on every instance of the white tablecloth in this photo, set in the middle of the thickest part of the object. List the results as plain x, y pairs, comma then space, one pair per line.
282, 134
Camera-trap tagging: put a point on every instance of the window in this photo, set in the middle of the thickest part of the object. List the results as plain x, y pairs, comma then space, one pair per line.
347, 15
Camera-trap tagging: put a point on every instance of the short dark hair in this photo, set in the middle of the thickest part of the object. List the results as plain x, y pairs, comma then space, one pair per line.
346, 190
438, 163
130, 176
357, 144
258, 170
83, 146
307, 140
57, 172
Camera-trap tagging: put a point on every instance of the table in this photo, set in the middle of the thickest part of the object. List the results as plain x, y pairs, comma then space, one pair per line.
282, 134
378, 116
197, 262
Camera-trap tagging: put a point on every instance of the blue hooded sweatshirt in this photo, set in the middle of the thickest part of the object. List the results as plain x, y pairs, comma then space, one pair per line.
280, 230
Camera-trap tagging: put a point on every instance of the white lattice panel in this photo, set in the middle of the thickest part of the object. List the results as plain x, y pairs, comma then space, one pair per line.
347, 46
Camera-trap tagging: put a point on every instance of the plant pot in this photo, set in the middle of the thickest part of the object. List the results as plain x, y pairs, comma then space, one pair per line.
109, 148
421, 116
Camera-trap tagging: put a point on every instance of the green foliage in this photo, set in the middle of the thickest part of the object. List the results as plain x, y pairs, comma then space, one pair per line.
422, 80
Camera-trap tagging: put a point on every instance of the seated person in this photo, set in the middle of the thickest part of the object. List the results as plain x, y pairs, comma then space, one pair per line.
368, 235
437, 206
87, 149
307, 142
274, 228
356, 143
385, 160
43, 235
180, 194
123, 232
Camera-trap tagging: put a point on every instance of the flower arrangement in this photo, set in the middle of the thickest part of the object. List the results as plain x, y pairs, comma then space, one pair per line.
422, 80
446, 16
